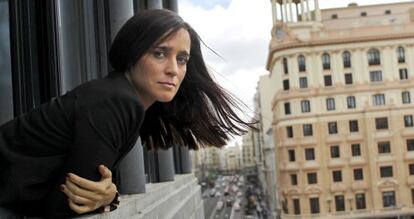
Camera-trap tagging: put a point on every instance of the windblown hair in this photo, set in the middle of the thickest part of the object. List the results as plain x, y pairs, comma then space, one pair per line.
201, 113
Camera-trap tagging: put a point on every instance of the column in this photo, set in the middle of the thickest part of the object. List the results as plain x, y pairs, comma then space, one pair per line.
155, 4
308, 12
282, 14
302, 10
160, 165
286, 18
317, 11
119, 13
182, 159
290, 10
173, 5
274, 11
130, 176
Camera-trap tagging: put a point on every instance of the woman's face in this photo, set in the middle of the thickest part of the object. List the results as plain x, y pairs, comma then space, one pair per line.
158, 73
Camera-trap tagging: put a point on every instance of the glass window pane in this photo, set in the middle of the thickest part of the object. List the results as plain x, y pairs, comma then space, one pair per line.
6, 91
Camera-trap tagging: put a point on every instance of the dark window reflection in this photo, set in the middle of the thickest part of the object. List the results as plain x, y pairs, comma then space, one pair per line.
6, 95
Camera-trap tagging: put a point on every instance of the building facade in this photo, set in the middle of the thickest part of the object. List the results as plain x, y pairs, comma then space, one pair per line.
342, 110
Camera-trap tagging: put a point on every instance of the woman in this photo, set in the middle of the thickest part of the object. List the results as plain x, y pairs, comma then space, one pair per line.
160, 89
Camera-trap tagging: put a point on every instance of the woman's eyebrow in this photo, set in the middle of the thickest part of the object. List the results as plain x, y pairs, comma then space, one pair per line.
167, 49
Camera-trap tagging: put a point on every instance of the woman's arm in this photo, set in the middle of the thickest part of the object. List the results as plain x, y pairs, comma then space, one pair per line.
86, 195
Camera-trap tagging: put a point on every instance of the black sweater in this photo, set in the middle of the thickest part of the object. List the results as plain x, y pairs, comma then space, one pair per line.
96, 123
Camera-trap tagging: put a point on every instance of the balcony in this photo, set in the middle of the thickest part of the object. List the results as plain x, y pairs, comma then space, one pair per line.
357, 161
311, 165
178, 199
337, 162
291, 166
409, 156
359, 185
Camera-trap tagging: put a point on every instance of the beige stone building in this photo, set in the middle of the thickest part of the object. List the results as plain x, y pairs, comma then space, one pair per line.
232, 159
343, 111
248, 157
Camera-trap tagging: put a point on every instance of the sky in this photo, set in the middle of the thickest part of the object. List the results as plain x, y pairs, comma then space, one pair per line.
239, 32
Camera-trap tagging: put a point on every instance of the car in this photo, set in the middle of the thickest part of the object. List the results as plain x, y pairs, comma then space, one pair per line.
212, 192
239, 194
229, 202
236, 206
220, 205
218, 194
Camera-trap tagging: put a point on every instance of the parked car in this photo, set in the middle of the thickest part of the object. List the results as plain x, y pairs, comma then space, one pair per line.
218, 194
229, 202
220, 205
236, 206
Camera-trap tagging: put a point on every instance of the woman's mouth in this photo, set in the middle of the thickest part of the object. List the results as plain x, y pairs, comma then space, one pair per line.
168, 84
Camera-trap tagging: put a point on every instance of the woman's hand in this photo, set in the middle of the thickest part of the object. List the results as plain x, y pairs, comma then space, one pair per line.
86, 195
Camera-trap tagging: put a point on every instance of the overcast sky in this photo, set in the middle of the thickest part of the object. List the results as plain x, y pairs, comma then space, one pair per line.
239, 31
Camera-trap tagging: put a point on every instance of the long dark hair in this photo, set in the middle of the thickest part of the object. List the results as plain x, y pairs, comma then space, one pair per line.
201, 113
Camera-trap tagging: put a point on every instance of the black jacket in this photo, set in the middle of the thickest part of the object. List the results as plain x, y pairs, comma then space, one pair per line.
96, 123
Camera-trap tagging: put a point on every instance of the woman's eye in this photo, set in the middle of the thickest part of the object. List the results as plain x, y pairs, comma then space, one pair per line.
182, 60
159, 54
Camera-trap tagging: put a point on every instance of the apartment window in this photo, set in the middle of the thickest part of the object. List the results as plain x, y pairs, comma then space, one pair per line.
337, 176
339, 203
307, 130
374, 57
411, 169
301, 63
289, 131
348, 78
360, 201
350, 101
312, 178
305, 106
358, 174
378, 99
381, 123
286, 84
408, 121
353, 126
401, 54
356, 150
363, 14
330, 104
287, 108
346, 59
294, 179
375, 76
285, 66
388, 199
335, 152
406, 98
292, 157
412, 196
334, 16
314, 205
309, 153
332, 128
410, 144
303, 82
403, 74
296, 206
386, 171
387, 12
327, 80
326, 61
384, 147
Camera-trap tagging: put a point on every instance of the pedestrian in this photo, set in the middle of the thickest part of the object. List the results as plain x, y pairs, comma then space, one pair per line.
57, 160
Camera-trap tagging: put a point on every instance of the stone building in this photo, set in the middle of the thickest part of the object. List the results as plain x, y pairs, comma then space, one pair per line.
342, 111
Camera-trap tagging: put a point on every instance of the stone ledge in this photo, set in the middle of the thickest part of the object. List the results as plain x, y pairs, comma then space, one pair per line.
180, 198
